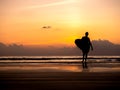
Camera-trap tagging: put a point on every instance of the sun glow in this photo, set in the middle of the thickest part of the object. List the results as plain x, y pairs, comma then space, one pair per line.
22, 21
73, 17
74, 22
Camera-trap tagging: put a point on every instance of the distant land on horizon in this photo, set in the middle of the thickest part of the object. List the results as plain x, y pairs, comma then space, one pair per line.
101, 47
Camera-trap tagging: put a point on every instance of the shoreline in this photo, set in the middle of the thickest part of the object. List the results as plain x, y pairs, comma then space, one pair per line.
59, 76
61, 67
47, 58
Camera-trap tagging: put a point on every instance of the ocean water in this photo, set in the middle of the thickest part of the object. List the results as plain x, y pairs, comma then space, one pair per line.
59, 63
56, 59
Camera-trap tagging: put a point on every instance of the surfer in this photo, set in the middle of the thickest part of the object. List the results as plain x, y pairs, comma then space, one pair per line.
86, 45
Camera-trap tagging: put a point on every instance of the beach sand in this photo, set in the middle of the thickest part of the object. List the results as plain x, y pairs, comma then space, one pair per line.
60, 80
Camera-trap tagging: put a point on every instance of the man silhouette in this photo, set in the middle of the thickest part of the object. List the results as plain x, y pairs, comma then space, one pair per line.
86, 44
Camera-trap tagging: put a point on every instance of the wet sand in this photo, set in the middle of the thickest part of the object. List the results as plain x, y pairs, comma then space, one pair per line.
51, 76
36, 80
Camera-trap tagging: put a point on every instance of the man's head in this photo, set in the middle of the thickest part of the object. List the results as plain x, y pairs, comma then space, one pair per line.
86, 34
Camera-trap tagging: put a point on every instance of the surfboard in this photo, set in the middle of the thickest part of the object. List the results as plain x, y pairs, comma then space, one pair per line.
78, 43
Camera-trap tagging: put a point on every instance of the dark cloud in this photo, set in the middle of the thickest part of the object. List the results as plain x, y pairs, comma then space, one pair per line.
101, 47
46, 27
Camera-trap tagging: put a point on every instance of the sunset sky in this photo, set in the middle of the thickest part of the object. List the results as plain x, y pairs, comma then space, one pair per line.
51, 22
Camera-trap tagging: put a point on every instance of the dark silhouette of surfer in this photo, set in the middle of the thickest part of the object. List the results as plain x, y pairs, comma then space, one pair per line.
84, 44
84, 65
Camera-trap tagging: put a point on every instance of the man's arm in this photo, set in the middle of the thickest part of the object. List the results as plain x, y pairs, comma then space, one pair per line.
91, 45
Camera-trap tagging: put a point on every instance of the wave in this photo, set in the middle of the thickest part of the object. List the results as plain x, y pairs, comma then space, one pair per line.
55, 57
58, 59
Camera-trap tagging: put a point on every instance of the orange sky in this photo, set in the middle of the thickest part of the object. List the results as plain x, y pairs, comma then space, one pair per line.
22, 21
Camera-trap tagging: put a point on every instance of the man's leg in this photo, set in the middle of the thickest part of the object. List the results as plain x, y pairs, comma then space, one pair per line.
86, 54
83, 56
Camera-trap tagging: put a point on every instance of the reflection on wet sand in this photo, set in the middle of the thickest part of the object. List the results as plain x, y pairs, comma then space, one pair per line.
84, 64
43, 68
85, 67
61, 67
51, 76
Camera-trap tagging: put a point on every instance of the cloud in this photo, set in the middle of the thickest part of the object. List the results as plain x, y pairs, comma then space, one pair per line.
53, 4
46, 27
101, 47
